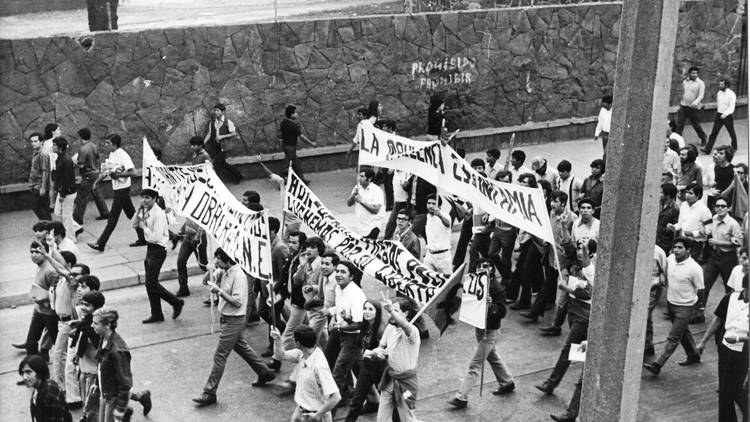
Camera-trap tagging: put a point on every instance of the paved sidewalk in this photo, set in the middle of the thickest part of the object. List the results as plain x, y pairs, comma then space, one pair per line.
120, 265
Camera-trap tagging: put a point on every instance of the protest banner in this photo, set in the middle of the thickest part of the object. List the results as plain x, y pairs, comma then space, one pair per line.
441, 166
474, 300
388, 261
197, 193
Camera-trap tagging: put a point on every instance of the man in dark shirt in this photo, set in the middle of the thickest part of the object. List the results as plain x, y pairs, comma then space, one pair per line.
668, 213
65, 187
593, 187
88, 169
39, 179
291, 130
220, 129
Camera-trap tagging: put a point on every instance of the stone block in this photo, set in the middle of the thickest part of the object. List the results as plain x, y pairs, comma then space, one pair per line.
25, 58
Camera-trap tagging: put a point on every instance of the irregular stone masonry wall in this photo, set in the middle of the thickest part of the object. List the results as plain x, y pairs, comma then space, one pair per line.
497, 68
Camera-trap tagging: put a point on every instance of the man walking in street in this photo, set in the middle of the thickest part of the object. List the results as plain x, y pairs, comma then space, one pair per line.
39, 178
232, 308
153, 221
438, 236
369, 204
65, 187
219, 130
119, 166
725, 102
291, 131
88, 169
693, 90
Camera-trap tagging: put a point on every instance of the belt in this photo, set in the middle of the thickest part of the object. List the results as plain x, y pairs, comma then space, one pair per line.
64, 318
440, 251
303, 410
351, 333
155, 245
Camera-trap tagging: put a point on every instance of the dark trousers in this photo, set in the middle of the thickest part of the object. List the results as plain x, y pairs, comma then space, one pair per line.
99, 18
579, 329
501, 251
290, 158
86, 191
690, 114
40, 205
719, 263
575, 401
653, 299
528, 274
718, 123
225, 169
39, 322
390, 226
342, 351
679, 333
369, 374
561, 313
463, 242
732, 373
265, 312
190, 245
120, 202
155, 256
605, 140
479, 248
547, 294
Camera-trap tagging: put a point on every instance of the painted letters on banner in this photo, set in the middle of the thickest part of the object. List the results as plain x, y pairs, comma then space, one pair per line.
387, 261
474, 300
440, 165
197, 193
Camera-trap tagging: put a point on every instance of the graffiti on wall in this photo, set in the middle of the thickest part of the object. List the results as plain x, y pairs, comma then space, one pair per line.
450, 71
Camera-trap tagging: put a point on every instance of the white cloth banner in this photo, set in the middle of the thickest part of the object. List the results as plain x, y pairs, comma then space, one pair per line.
474, 300
388, 261
440, 165
197, 193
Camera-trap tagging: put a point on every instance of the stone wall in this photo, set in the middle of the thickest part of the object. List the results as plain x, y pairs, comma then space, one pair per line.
496, 68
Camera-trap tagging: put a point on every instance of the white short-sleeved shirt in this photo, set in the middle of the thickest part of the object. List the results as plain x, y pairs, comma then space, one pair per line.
349, 301
402, 350
119, 160
315, 382
366, 221
438, 235
399, 193
735, 278
684, 279
584, 231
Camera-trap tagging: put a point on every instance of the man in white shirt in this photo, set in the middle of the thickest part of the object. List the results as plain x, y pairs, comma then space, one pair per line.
671, 134
153, 221
670, 164
738, 272
569, 184
400, 182
694, 216
120, 168
438, 236
586, 226
517, 168
604, 122
693, 90
369, 205
493, 163
725, 102
684, 280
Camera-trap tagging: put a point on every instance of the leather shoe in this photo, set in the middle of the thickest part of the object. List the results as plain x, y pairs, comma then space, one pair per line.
75, 405
144, 398
102, 217
518, 305
530, 316
274, 364
138, 243
550, 330
505, 389
267, 353
205, 399
177, 310
152, 319
690, 361
565, 417
264, 379
458, 403
652, 367
649, 351
546, 387
20, 346
79, 231
96, 247
183, 292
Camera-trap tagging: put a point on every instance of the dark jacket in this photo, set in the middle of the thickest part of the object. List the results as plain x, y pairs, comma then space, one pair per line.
496, 308
114, 364
64, 175
50, 404
84, 335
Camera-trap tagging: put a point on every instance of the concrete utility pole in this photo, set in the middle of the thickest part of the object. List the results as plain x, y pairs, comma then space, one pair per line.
612, 375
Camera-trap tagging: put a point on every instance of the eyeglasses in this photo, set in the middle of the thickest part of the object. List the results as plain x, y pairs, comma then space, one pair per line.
721, 206
402, 218
484, 266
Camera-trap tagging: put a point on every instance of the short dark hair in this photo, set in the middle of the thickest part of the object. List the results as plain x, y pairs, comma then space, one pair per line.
518, 155
84, 133
564, 165
50, 129
334, 257
37, 364
404, 211
586, 200
274, 224
41, 225
607, 99
407, 306
693, 68
317, 243
725, 80
220, 106
57, 228
69, 257
697, 189
669, 190
290, 109
686, 242
61, 143
493, 152
37, 134
502, 174
85, 270
299, 235
369, 173
222, 256
599, 163
355, 272
484, 260
37, 245
692, 155
362, 111
95, 298
305, 336
477, 162
432, 196
91, 281
196, 140
255, 206
531, 179
252, 196
672, 124
151, 193
743, 166
114, 139
728, 151
372, 108
559, 196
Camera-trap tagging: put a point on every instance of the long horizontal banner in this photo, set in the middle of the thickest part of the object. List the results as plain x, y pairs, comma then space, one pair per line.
197, 193
440, 165
389, 262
